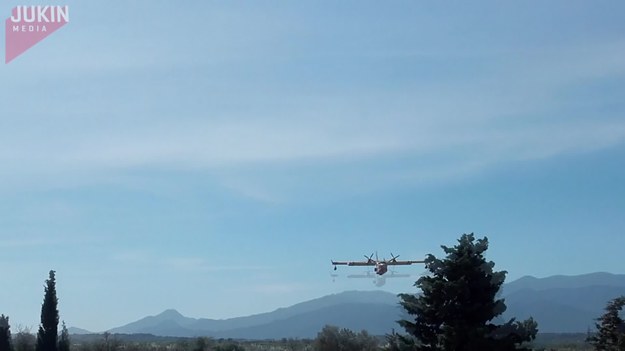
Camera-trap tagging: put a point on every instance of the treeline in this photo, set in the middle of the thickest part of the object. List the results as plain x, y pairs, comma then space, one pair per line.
454, 311
329, 338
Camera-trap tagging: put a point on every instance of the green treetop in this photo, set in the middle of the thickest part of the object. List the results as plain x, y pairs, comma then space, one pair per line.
458, 304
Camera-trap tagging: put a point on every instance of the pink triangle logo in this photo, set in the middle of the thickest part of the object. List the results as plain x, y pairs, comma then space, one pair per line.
29, 25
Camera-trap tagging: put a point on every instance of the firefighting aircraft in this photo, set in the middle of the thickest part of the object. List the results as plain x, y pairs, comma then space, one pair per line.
381, 266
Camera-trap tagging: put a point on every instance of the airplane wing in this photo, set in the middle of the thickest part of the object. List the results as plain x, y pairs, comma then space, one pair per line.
353, 263
402, 263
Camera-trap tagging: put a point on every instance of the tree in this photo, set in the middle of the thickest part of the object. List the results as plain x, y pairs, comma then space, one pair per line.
229, 346
458, 303
327, 339
48, 329
64, 341
24, 340
610, 328
291, 344
331, 338
201, 344
5, 334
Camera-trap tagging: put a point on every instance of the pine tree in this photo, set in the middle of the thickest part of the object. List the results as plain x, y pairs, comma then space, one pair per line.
64, 341
48, 329
458, 303
610, 328
5, 333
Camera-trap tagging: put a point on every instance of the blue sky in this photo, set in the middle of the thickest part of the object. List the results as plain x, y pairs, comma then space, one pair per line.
214, 156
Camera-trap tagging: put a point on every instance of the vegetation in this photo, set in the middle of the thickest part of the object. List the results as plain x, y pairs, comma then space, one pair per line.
64, 341
562, 342
610, 334
229, 347
5, 334
331, 338
48, 329
124, 342
24, 340
458, 303
145, 342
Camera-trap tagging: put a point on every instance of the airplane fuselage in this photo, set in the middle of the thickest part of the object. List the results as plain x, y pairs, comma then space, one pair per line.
380, 268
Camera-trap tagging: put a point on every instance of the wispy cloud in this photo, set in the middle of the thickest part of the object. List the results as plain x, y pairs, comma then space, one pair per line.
179, 264
204, 265
515, 110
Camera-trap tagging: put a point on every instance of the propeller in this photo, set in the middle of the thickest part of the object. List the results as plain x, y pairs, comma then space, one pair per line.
394, 258
368, 257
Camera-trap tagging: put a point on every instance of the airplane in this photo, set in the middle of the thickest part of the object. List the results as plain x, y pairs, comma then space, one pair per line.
381, 266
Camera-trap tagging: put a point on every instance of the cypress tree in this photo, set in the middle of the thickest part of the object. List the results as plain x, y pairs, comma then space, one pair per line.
48, 329
5, 334
64, 341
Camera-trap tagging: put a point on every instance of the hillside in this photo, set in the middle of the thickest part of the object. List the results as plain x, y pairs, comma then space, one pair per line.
565, 282
378, 307
562, 304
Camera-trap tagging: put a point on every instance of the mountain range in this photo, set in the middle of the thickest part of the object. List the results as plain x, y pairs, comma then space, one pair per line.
374, 311
560, 304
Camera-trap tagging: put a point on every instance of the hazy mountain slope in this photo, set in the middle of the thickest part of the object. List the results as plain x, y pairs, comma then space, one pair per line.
565, 281
551, 316
377, 319
151, 323
184, 326
380, 297
561, 309
78, 331
169, 328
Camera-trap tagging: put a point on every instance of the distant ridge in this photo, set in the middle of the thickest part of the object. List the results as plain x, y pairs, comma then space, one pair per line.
560, 304
78, 331
167, 323
172, 323
566, 281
